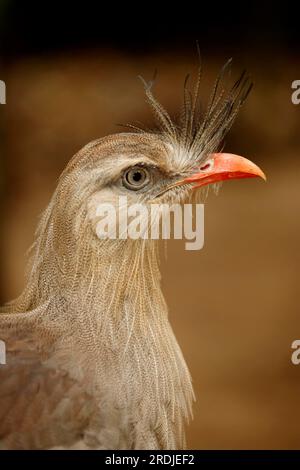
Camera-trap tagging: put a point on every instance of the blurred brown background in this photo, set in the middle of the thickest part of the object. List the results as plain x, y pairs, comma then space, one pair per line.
235, 304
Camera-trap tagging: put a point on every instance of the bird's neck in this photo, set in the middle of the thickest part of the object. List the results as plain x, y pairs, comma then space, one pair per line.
106, 304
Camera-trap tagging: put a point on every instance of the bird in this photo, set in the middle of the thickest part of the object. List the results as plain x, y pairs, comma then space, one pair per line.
92, 361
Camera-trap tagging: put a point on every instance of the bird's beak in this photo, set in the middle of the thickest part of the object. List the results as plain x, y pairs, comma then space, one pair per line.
223, 166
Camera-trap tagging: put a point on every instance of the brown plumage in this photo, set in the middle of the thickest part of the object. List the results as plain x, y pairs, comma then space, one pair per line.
92, 361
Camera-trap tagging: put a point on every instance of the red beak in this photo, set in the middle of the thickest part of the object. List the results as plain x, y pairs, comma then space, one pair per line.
224, 166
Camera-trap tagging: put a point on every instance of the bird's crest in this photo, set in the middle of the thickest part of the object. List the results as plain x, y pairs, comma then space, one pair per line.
200, 132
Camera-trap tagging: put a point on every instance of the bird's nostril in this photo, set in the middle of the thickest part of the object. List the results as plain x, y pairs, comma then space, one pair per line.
205, 167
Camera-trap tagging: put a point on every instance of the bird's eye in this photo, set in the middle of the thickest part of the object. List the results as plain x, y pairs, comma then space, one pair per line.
136, 178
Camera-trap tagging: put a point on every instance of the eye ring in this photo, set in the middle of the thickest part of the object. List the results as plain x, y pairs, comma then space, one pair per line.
136, 178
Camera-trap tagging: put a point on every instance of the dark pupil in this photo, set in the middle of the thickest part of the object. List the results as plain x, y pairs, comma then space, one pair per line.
137, 176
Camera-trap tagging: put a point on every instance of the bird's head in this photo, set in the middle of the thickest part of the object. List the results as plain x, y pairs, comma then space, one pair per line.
149, 169
166, 165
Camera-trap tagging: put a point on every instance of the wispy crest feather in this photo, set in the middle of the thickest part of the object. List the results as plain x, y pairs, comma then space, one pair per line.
201, 133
